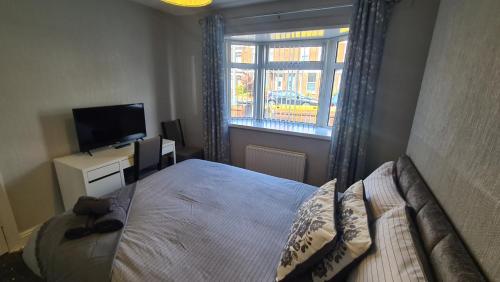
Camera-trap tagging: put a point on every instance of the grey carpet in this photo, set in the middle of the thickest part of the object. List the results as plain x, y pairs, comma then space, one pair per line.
12, 268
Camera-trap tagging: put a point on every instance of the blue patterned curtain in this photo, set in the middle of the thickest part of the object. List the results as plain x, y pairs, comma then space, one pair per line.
355, 106
215, 114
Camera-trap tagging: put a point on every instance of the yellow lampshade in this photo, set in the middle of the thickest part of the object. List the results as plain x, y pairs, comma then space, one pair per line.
189, 3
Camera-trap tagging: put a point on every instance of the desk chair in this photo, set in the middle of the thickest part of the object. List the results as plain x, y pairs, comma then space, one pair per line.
172, 130
147, 157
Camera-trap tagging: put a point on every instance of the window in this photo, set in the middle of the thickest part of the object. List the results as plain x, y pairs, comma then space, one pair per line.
335, 95
242, 77
311, 82
279, 82
291, 77
341, 49
292, 82
305, 53
244, 54
242, 92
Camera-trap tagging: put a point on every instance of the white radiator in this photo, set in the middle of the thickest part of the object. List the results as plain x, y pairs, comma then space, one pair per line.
276, 162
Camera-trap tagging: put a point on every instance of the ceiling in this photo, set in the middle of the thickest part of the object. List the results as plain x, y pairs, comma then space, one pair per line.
180, 11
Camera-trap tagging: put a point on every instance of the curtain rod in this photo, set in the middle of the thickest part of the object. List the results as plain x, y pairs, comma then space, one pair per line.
278, 14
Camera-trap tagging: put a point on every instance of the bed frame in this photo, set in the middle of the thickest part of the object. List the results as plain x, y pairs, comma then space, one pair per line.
446, 253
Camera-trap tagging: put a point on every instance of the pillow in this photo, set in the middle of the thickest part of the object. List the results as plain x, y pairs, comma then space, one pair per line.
354, 235
395, 253
381, 191
313, 233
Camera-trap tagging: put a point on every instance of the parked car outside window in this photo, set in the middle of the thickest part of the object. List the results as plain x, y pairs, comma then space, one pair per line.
285, 97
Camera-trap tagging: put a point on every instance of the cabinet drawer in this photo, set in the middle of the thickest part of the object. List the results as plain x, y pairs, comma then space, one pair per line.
167, 149
103, 171
104, 185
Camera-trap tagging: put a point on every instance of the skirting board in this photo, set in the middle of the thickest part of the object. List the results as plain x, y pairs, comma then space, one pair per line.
15, 241
23, 239
7, 220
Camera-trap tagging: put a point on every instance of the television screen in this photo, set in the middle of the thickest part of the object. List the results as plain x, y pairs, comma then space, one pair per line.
102, 126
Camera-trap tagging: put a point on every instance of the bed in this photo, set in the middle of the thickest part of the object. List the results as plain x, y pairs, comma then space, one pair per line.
204, 221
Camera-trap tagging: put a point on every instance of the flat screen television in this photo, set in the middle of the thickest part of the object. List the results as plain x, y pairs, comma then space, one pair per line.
102, 126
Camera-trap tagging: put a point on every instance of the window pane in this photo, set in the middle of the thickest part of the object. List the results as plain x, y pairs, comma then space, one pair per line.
335, 95
298, 34
341, 49
242, 94
292, 95
291, 35
243, 54
311, 82
295, 54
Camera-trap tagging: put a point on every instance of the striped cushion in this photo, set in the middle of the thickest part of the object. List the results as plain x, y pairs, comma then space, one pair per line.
354, 235
395, 253
381, 191
313, 233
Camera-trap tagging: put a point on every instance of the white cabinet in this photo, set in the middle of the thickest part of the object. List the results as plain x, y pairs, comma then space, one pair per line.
97, 175
103, 186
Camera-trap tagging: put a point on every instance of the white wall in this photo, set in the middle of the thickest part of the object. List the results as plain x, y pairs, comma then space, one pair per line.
58, 55
406, 47
408, 39
186, 78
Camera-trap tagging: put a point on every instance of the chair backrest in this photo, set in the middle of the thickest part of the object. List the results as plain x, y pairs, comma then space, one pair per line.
172, 130
147, 154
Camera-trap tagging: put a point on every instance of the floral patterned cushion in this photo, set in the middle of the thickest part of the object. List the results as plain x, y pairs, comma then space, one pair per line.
354, 235
313, 233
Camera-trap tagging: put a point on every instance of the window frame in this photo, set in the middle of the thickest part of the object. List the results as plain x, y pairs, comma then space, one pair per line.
327, 65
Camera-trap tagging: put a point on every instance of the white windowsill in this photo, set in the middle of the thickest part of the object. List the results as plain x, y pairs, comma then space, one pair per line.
287, 128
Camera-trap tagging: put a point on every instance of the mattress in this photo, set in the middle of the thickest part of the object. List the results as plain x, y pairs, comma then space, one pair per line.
204, 221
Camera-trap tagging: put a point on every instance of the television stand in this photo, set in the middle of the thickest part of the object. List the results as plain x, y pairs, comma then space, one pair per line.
122, 146
82, 175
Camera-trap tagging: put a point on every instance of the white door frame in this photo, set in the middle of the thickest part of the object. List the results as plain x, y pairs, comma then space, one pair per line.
7, 221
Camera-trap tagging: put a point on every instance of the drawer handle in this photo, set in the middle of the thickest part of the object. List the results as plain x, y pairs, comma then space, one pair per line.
97, 179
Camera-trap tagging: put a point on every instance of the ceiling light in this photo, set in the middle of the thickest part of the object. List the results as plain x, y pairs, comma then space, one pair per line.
189, 3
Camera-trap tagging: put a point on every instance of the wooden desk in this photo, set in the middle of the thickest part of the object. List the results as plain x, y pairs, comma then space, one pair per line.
84, 175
